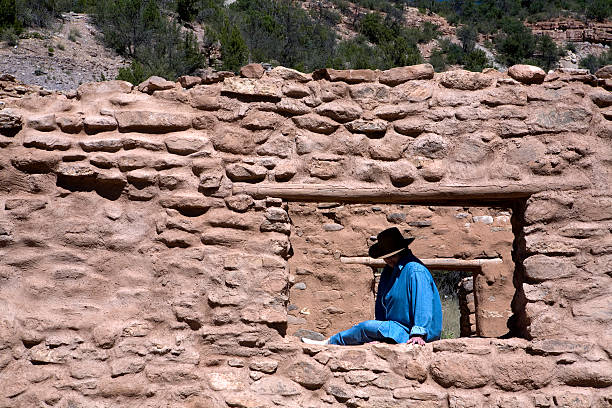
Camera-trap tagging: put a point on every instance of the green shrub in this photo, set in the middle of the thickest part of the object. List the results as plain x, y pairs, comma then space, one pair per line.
9, 36
593, 63
137, 29
74, 34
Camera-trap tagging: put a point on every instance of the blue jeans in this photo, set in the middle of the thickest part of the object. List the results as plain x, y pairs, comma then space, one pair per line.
361, 333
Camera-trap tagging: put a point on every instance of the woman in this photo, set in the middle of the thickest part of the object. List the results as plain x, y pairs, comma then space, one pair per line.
407, 308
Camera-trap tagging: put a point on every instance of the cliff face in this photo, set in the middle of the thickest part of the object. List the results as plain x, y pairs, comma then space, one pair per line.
146, 238
571, 30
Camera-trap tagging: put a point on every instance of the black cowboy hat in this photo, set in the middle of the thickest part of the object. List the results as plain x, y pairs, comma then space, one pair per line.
389, 242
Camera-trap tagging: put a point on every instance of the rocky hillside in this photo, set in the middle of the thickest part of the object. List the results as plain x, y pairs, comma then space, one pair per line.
61, 58
73, 52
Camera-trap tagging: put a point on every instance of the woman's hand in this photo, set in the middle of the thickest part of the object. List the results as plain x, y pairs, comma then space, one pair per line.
416, 340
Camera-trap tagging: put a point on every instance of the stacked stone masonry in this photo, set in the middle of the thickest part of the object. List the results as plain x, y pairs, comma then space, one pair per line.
145, 235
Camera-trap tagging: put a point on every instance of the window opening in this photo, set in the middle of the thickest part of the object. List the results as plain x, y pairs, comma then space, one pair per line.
334, 282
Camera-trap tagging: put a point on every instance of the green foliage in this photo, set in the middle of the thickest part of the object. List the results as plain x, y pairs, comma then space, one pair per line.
517, 45
593, 63
187, 9
74, 34
449, 53
138, 30
9, 36
598, 9
357, 54
468, 36
8, 13
234, 50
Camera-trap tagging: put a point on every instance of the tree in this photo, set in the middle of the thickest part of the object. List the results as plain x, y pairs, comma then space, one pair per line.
468, 36
234, 51
7, 13
598, 9
515, 43
547, 52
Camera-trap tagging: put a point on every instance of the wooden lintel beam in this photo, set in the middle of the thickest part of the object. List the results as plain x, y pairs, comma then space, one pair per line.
434, 194
443, 263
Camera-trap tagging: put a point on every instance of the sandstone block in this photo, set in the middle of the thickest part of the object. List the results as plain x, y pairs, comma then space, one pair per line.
277, 145
289, 74
152, 122
275, 386
205, 122
142, 176
189, 81
601, 98
292, 107
102, 145
44, 123
516, 373
10, 122
316, 123
370, 94
433, 171
604, 72
236, 141
324, 169
126, 365
142, 142
185, 203
598, 309
559, 119
412, 126
239, 203
185, 145
155, 83
461, 371
246, 172
256, 120
360, 377
69, 123
587, 374
254, 71
505, 96
399, 75
265, 365
386, 150
210, 77
540, 268
340, 111
93, 90
527, 74
422, 394
38, 164
573, 400
466, 80
251, 87
285, 171
96, 124
402, 173
46, 141
348, 75
398, 110
294, 90
374, 127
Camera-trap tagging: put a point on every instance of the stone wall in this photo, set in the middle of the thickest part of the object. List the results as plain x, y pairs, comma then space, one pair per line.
145, 237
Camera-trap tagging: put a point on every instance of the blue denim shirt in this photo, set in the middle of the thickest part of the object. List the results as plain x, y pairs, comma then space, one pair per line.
408, 301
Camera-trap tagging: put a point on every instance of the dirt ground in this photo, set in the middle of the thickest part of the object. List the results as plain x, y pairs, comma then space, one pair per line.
63, 58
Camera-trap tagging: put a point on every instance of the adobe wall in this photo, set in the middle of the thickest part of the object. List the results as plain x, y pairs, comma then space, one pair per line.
145, 238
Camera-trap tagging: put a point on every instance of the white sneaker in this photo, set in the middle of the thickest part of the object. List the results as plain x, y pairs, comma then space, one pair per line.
311, 341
